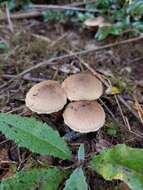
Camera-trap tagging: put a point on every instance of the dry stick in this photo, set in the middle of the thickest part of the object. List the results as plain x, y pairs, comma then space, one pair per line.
63, 7
109, 111
80, 3
136, 59
28, 15
25, 77
84, 52
139, 109
121, 111
128, 107
9, 19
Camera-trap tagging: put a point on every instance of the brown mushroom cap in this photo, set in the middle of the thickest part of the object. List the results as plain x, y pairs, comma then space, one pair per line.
82, 86
84, 116
46, 97
92, 22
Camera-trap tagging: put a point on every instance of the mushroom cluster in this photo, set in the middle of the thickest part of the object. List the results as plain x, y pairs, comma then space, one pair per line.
83, 114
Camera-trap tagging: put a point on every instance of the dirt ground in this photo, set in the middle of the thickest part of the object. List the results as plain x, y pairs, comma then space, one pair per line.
34, 41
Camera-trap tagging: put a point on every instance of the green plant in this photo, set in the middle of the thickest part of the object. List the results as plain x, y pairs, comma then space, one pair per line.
3, 46
121, 15
14, 4
120, 162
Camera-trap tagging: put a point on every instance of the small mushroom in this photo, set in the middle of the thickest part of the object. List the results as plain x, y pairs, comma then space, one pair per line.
82, 86
84, 116
46, 97
94, 22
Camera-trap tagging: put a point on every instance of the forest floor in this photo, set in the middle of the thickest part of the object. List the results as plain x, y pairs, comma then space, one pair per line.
34, 41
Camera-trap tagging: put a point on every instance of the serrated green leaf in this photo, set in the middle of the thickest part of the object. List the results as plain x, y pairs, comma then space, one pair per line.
34, 135
123, 163
42, 179
76, 181
81, 152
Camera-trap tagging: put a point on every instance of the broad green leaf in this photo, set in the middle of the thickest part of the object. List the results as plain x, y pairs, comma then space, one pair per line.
135, 8
138, 25
76, 181
83, 16
123, 163
104, 31
34, 135
42, 179
81, 152
3, 45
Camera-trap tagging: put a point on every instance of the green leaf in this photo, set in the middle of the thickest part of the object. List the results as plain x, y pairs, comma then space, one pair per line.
84, 16
138, 25
34, 135
76, 181
104, 31
123, 163
81, 152
112, 129
3, 45
135, 8
51, 15
11, 4
43, 179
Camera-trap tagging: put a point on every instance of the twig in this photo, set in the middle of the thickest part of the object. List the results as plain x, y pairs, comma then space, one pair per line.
60, 7
25, 77
76, 4
121, 111
28, 15
137, 134
128, 124
84, 52
128, 107
9, 19
139, 109
136, 59
109, 111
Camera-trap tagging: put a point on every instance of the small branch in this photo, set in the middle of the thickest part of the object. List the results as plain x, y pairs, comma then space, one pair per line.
129, 107
25, 77
18, 16
60, 7
121, 111
77, 4
9, 19
110, 112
